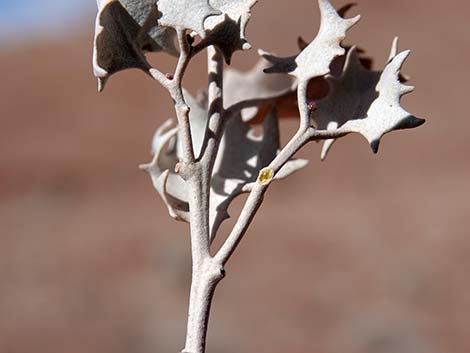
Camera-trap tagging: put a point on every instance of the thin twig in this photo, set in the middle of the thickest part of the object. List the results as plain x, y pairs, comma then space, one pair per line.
305, 134
182, 109
184, 58
256, 196
305, 118
158, 76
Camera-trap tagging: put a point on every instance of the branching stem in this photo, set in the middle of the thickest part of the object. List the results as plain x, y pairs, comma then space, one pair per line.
207, 271
305, 134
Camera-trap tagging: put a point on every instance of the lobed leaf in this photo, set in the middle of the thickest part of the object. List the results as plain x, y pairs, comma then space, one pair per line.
315, 59
366, 102
124, 31
227, 30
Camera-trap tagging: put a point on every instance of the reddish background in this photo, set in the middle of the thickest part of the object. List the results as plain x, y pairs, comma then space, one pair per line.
359, 254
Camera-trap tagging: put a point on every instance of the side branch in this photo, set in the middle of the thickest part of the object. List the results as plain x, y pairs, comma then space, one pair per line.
256, 196
184, 58
305, 134
305, 118
173, 83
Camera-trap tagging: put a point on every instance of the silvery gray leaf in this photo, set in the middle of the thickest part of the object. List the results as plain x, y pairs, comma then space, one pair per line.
315, 59
168, 185
164, 160
185, 14
366, 102
167, 152
124, 31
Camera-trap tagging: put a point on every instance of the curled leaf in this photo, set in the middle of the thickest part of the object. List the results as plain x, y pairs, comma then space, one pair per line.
169, 185
124, 31
177, 207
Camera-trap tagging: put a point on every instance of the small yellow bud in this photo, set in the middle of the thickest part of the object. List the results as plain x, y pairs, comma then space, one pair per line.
265, 176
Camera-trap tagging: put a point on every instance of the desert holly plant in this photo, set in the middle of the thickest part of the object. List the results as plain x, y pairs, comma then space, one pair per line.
211, 154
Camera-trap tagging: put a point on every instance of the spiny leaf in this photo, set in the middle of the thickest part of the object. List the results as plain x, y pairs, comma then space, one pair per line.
237, 10
125, 30
227, 31
315, 59
366, 102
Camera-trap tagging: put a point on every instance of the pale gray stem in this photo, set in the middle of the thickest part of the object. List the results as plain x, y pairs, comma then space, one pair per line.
305, 134
256, 195
205, 279
215, 102
216, 113
174, 87
305, 121
185, 56
206, 272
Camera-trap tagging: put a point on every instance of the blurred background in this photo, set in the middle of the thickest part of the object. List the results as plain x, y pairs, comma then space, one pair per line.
358, 254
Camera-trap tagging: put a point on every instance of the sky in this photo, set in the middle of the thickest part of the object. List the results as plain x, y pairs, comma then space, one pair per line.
28, 19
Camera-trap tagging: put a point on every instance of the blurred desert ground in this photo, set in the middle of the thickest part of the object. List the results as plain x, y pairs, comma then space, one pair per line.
359, 254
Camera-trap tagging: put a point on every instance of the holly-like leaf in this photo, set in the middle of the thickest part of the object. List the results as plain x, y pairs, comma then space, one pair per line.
227, 31
366, 102
240, 158
125, 30
316, 58
185, 14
